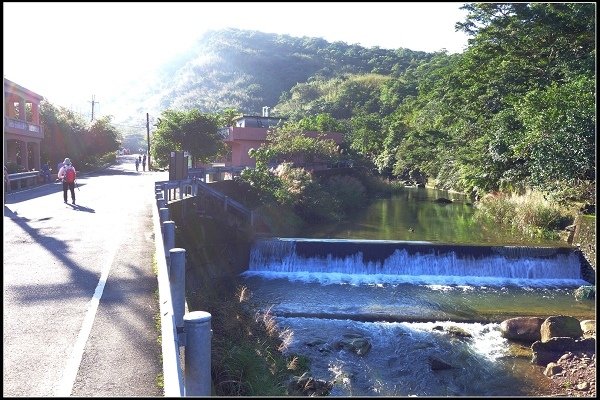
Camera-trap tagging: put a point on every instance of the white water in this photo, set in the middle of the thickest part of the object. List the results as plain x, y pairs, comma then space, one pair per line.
503, 266
404, 305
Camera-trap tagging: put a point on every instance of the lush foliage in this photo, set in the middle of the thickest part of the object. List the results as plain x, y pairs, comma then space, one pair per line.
190, 131
280, 175
516, 110
66, 134
247, 70
530, 213
290, 143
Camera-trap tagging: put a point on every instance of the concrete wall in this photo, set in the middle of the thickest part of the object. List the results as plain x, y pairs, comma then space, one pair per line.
217, 251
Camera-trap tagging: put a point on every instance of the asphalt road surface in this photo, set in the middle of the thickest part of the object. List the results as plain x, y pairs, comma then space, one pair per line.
80, 295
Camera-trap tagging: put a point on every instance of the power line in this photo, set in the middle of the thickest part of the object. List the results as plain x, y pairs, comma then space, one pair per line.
93, 102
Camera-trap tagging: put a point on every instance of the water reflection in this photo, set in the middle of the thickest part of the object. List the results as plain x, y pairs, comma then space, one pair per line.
414, 214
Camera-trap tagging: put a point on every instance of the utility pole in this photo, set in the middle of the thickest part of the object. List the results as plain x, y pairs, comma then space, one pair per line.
148, 137
93, 102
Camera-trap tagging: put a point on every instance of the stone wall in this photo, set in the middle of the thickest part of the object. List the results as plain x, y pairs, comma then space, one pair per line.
585, 237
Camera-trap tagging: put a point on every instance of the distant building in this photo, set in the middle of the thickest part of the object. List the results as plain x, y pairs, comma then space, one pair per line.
23, 133
250, 132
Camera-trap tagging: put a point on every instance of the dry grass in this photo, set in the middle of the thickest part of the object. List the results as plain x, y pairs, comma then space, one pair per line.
531, 213
248, 348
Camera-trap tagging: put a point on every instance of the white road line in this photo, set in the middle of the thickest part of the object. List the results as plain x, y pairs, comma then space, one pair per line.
65, 387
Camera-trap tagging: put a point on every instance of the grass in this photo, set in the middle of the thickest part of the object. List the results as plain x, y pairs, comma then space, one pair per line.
160, 379
531, 213
248, 350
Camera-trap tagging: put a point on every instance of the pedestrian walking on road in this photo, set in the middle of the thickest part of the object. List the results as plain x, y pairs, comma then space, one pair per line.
68, 174
144, 163
137, 164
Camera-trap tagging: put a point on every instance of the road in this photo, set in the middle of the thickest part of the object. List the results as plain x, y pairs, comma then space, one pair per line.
80, 295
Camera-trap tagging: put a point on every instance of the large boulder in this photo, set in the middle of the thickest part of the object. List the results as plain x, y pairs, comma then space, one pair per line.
355, 343
588, 326
560, 326
556, 347
586, 292
525, 329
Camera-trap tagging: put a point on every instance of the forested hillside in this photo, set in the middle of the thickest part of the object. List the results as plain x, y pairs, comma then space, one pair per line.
516, 110
247, 70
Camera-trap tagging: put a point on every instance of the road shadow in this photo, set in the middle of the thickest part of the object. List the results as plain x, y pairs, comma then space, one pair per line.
11, 214
79, 207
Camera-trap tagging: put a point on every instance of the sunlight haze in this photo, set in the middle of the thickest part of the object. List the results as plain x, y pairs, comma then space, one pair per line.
69, 52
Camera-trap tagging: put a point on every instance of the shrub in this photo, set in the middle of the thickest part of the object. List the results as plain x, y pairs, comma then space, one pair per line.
348, 190
13, 167
531, 213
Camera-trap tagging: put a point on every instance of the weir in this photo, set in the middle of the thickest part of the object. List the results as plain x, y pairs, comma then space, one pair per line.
410, 258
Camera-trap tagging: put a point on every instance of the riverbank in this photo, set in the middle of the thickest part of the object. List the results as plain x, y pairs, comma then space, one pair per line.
577, 378
245, 352
584, 237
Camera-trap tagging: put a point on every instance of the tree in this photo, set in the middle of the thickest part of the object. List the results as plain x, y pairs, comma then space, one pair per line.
559, 132
190, 131
289, 144
67, 134
366, 136
103, 137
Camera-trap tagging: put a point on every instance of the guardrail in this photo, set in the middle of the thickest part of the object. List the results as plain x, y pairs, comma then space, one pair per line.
26, 178
189, 331
200, 173
173, 190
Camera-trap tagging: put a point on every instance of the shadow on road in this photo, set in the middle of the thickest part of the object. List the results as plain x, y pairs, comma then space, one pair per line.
82, 208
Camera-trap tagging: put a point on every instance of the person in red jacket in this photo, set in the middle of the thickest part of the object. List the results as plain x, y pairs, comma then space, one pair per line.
68, 174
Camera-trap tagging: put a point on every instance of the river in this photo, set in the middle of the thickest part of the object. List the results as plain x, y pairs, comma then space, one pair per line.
402, 276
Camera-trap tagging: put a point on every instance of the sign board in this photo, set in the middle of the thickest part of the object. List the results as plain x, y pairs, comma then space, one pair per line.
178, 166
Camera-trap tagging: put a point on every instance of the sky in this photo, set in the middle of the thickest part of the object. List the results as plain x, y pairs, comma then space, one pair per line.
73, 53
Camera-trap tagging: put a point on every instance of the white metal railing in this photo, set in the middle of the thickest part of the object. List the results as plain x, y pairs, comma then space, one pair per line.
173, 190
179, 329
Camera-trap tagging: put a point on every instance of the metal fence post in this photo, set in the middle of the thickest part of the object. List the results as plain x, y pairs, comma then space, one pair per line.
198, 334
164, 214
177, 280
169, 235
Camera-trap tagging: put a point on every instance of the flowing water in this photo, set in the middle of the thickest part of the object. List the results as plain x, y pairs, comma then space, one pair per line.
404, 296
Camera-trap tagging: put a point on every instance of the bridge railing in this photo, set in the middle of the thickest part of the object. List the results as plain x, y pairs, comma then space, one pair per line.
180, 189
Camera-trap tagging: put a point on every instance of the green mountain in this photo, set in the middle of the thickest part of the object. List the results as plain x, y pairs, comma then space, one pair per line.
246, 70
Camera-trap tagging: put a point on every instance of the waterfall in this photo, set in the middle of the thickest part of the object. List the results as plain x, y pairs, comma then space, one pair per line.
406, 258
